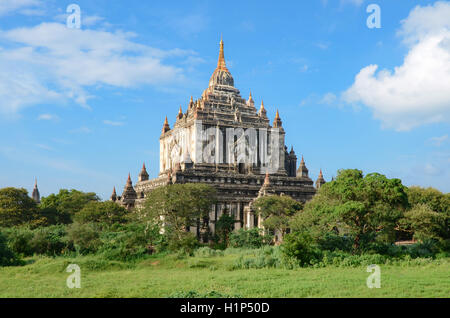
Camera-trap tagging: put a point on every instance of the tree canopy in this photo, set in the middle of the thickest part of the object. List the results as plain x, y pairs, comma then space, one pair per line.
178, 206
277, 211
16, 207
67, 203
101, 212
367, 208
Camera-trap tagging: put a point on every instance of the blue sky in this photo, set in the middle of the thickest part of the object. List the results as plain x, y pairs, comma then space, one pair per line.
80, 108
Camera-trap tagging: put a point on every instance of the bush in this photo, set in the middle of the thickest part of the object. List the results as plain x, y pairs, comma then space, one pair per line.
343, 259
194, 294
300, 246
7, 255
252, 238
267, 257
84, 237
207, 252
332, 242
186, 244
50, 241
129, 242
19, 239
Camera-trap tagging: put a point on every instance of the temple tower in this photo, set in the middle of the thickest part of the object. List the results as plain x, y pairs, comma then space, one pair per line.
35, 195
302, 170
320, 180
143, 175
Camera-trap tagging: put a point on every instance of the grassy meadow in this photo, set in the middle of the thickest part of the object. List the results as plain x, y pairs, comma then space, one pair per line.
215, 276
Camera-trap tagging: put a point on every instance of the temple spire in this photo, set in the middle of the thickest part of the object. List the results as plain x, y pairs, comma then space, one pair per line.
35, 195
143, 175
262, 110
129, 195
302, 171
166, 126
277, 123
113, 195
320, 180
266, 188
221, 65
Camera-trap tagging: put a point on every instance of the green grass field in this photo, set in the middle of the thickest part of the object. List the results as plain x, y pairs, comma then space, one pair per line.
167, 276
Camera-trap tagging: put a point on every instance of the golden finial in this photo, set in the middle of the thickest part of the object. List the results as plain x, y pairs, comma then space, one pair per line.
166, 126
250, 98
221, 62
277, 115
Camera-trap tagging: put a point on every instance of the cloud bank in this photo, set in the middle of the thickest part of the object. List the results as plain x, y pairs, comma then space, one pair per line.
22, 6
52, 63
417, 92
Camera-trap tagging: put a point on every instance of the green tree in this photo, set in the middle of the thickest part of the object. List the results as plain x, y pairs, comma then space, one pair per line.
50, 216
7, 256
16, 207
300, 246
436, 201
101, 212
177, 207
424, 223
252, 238
66, 203
84, 237
277, 211
224, 227
367, 208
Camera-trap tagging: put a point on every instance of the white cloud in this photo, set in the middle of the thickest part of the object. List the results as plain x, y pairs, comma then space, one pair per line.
322, 45
86, 20
328, 98
47, 117
50, 62
45, 147
354, 2
22, 6
417, 92
438, 141
81, 130
113, 123
431, 170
